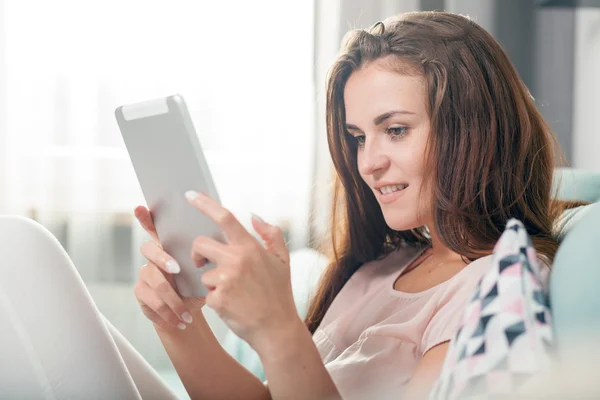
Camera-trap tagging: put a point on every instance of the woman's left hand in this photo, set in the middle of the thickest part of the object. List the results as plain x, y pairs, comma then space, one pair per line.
250, 288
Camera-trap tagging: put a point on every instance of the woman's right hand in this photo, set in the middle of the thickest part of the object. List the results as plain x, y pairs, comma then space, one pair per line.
155, 288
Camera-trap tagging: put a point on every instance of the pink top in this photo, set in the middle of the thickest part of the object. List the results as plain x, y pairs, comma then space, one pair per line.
373, 336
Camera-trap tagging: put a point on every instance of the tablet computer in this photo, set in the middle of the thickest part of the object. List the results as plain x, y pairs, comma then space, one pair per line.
168, 161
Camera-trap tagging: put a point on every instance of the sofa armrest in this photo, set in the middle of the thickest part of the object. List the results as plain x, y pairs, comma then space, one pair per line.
574, 286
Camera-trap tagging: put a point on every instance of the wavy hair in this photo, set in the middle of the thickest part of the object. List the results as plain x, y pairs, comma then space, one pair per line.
490, 152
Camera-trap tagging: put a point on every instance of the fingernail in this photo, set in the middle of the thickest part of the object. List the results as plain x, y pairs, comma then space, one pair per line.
181, 325
172, 267
187, 317
259, 219
191, 195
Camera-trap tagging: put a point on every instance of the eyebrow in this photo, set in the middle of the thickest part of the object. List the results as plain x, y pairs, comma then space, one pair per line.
381, 119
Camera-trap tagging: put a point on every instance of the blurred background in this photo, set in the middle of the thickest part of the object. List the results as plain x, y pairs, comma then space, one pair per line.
253, 74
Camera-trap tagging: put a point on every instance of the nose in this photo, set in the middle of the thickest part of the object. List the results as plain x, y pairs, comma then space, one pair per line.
372, 157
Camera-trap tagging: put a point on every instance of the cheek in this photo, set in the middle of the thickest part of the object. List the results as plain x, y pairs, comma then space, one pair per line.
424, 204
409, 159
413, 211
414, 164
358, 164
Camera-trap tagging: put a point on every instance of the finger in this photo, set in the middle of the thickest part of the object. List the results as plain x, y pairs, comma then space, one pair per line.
194, 302
154, 317
214, 299
214, 278
145, 219
205, 248
158, 256
168, 276
149, 297
201, 262
232, 228
141, 294
165, 290
273, 238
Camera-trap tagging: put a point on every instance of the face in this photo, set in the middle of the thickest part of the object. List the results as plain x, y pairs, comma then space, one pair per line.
386, 113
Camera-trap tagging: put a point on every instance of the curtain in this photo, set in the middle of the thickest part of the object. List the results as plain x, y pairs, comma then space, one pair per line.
245, 70
3, 172
247, 79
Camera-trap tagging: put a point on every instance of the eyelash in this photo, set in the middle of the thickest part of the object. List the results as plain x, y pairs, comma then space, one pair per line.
390, 131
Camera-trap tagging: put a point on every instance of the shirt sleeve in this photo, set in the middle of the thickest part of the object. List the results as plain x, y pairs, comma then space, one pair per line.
452, 304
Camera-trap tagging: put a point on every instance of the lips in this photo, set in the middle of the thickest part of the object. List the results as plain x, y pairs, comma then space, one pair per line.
387, 189
390, 193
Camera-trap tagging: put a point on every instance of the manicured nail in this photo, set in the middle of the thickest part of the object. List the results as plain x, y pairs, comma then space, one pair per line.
181, 325
259, 219
172, 267
191, 195
187, 317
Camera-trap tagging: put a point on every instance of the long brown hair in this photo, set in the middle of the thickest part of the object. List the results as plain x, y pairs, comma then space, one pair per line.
490, 152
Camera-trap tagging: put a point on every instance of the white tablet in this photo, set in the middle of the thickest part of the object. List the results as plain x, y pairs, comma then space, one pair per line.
168, 161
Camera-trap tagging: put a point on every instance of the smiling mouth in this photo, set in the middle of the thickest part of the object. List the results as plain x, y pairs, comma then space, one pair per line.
391, 189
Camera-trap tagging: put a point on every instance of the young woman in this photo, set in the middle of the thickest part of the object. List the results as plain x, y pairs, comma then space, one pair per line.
436, 143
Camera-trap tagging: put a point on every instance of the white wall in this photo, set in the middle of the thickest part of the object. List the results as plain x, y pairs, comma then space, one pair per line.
481, 11
327, 38
586, 129
392, 7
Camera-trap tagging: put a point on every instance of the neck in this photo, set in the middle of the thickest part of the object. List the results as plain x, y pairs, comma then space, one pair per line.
439, 250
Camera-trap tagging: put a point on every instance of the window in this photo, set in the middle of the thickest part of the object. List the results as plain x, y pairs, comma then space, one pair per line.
246, 71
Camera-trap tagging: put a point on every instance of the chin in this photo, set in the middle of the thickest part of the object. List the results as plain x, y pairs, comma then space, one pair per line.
401, 222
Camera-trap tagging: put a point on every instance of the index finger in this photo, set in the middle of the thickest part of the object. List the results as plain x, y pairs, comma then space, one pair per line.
145, 219
228, 223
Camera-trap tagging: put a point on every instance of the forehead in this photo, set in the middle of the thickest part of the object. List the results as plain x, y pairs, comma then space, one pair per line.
376, 89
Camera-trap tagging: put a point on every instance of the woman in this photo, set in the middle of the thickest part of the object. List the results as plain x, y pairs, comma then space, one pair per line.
436, 143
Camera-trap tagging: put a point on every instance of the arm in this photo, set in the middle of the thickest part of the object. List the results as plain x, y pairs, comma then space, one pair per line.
250, 288
426, 373
292, 362
205, 368
293, 366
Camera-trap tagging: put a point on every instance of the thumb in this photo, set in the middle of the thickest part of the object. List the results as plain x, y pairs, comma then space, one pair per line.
273, 238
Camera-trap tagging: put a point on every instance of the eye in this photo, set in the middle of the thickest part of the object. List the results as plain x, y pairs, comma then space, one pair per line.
397, 131
358, 139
